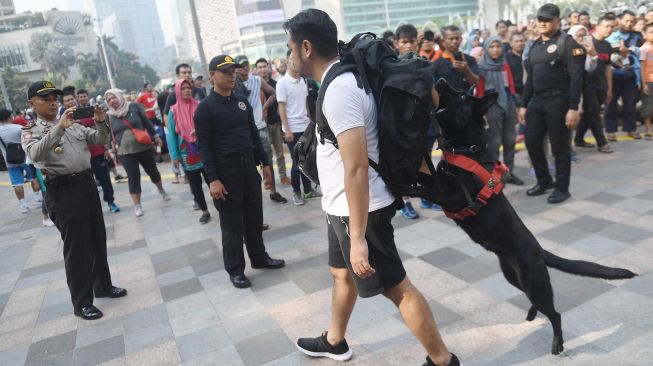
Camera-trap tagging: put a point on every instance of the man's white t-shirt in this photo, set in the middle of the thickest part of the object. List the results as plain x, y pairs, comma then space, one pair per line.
253, 84
347, 106
293, 93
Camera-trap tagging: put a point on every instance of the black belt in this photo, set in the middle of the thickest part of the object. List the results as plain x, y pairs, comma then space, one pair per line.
550, 93
235, 158
67, 179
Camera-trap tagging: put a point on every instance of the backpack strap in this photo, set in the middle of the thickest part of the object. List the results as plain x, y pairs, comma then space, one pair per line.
323, 129
561, 45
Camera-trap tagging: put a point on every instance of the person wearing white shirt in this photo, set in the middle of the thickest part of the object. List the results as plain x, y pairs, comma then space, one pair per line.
292, 92
364, 259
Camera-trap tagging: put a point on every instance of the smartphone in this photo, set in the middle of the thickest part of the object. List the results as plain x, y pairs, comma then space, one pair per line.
458, 56
83, 112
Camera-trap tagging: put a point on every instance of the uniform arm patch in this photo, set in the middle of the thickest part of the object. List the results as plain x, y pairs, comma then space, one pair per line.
578, 51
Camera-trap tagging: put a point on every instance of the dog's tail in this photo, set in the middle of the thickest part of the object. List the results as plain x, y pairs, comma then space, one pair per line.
584, 268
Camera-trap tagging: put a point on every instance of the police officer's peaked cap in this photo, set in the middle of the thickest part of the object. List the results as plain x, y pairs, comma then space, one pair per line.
223, 63
548, 11
41, 89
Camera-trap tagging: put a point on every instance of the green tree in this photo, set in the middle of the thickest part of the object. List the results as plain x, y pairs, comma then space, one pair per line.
17, 86
53, 56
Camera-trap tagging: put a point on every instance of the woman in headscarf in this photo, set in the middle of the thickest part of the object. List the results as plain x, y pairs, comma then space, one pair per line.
126, 119
496, 77
579, 32
473, 40
182, 143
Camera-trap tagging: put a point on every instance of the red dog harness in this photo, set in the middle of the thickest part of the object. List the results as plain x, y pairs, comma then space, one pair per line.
492, 182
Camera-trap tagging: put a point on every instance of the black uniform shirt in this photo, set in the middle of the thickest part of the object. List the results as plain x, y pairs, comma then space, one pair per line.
547, 72
225, 127
596, 78
517, 68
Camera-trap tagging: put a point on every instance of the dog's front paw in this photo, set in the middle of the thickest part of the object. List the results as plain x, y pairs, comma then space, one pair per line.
532, 313
556, 346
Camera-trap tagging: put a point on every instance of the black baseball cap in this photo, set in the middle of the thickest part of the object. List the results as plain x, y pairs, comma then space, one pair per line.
223, 63
548, 11
41, 89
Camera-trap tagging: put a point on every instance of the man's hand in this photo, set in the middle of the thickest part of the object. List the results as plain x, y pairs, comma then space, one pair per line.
157, 141
521, 115
359, 258
461, 66
107, 155
572, 118
267, 175
99, 114
66, 119
288, 136
645, 89
218, 191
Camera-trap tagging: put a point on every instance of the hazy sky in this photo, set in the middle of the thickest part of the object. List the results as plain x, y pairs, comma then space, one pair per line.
166, 10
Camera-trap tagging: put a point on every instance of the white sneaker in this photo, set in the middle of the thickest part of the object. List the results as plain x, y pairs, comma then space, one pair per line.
24, 208
164, 196
138, 211
34, 205
48, 223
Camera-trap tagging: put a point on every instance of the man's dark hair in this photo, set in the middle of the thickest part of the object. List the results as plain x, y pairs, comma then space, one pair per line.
406, 30
315, 26
5, 114
429, 35
583, 13
261, 60
504, 22
67, 93
145, 85
388, 34
68, 88
627, 12
573, 12
178, 68
610, 14
605, 18
450, 28
82, 91
516, 34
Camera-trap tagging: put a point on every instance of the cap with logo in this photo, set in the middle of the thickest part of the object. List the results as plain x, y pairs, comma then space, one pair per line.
223, 63
548, 11
42, 89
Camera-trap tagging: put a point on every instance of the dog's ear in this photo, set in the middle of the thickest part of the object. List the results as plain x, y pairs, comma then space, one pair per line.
484, 103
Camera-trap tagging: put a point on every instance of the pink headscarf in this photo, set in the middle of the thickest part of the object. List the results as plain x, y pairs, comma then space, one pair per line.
184, 111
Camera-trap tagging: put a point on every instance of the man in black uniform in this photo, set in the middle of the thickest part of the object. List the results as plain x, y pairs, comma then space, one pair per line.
60, 150
550, 104
229, 143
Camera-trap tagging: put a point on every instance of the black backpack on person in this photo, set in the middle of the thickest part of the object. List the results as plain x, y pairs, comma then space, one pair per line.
15, 153
402, 93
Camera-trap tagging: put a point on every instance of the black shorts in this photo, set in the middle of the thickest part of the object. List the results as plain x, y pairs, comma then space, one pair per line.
383, 255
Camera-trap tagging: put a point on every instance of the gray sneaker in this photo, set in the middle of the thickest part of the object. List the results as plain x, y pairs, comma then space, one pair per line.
312, 194
297, 199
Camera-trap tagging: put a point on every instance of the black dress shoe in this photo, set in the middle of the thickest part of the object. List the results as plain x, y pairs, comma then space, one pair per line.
515, 180
539, 189
89, 313
240, 281
113, 292
558, 196
269, 263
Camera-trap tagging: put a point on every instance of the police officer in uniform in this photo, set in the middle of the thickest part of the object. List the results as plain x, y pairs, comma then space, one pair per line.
230, 147
550, 104
60, 150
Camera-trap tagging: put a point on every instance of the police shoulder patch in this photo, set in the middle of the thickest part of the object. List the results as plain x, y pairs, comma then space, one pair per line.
578, 51
242, 105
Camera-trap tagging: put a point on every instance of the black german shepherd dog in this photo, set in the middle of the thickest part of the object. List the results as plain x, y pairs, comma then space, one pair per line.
496, 226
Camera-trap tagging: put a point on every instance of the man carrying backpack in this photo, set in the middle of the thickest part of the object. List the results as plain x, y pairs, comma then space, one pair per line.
550, 103
359, 206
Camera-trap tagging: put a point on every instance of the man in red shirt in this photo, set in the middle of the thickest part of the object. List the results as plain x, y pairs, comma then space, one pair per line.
148, 101
99, 163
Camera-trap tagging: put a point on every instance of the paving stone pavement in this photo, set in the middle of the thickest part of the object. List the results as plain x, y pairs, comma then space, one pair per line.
181, 308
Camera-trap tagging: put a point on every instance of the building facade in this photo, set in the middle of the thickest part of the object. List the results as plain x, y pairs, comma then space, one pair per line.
7, 7
71, 28
135, 27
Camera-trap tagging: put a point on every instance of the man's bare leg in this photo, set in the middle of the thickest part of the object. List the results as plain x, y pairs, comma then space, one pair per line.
343, 299
417, 315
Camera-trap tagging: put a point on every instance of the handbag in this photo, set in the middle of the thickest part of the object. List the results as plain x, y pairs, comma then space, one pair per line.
142, 137
15, 153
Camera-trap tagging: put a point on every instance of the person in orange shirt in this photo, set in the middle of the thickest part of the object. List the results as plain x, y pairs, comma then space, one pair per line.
430, 50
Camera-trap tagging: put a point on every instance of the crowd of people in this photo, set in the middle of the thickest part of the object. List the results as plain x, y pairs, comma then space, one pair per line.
552, 76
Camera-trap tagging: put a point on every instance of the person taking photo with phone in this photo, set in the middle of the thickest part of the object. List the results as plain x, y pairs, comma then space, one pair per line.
60, 150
